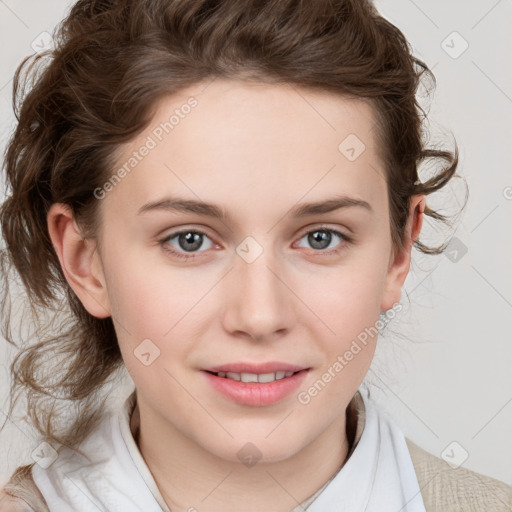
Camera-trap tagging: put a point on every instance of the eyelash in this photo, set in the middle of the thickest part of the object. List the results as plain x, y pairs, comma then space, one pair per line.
191, 256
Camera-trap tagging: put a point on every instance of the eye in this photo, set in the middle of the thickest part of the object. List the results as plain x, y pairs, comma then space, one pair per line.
187, 241
320, 239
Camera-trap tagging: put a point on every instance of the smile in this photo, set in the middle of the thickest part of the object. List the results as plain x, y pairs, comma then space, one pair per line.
255, 389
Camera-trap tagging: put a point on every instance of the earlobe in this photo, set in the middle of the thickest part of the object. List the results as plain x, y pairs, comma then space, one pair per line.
400, 262
79, 260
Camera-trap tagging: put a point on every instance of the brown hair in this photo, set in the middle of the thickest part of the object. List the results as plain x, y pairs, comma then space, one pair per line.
112, 61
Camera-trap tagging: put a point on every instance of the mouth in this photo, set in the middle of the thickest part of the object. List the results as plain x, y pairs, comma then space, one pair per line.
256, 385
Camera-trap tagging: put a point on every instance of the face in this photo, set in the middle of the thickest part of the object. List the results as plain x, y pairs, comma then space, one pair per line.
257, 282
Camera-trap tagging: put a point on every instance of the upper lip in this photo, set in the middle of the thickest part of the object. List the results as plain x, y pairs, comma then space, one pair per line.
266, 367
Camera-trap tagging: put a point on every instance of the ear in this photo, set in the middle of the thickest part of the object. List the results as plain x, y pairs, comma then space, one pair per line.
400, 262
79, 259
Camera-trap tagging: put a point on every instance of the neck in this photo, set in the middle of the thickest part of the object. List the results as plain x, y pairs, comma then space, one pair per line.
193, 479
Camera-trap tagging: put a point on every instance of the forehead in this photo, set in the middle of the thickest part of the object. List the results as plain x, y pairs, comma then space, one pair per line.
248, 143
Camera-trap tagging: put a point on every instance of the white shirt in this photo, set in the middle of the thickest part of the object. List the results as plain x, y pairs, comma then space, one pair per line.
112, 476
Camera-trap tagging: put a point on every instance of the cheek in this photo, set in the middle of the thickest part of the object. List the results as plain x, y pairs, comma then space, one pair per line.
147, 296
157, 303
345, 298
351, 311
346, 305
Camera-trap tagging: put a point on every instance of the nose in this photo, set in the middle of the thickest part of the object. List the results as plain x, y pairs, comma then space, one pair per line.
259, 303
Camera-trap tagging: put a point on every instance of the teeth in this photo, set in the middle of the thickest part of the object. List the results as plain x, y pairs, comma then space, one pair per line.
267, 377
249, 377
255, 377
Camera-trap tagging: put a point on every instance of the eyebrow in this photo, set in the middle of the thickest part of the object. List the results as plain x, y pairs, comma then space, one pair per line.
212, 210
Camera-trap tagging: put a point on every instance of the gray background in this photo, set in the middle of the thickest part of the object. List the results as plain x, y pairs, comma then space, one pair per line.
442, 368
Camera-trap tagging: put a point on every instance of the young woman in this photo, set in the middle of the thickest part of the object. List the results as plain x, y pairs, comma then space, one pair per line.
224, 197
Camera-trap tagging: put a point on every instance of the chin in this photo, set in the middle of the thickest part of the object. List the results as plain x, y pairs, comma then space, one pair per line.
250, 451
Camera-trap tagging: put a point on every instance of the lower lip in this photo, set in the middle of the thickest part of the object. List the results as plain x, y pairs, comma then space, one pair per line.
256, 394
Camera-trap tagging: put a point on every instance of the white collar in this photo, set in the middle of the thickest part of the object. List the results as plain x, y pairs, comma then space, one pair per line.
379, 474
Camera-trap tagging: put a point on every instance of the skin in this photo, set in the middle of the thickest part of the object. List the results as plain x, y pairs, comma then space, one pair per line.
256, 150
